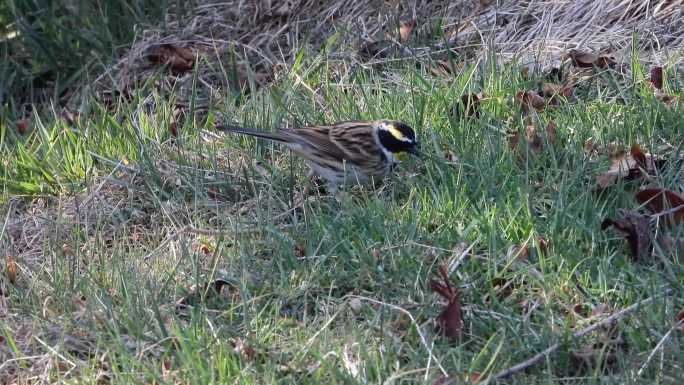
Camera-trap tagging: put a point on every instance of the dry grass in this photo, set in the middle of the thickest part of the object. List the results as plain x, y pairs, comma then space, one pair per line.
243, 42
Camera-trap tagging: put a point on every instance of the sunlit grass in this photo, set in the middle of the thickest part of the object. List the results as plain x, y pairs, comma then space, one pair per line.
316, 283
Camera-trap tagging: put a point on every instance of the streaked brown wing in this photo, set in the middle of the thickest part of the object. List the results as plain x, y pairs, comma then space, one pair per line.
356, 140
316, 141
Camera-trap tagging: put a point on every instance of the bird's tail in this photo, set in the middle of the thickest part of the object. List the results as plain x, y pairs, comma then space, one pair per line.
278, 137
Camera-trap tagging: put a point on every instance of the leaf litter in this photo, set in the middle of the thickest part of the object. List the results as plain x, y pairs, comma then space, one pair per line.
450, 320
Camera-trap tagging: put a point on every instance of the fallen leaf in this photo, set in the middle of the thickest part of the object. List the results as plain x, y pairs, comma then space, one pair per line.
212, 289
355, 305
534, 140
22, 126
513, 140
503, 288
380, 49
451, 158
469, 106
555, 91
525, 73
583, 59
178, 59
243, 349
663, 203
656, 77
554, 74
636, 229
11, 269
550, 89
604, 61
405, 29
450, 320
446, 68
473, 377
590, 147
668, 100
530, 99
542, 244
672, 245
551, 132
679, 319
299, 251
630, 166
444, 380
173, 129
602, 346
205, 249
69, 117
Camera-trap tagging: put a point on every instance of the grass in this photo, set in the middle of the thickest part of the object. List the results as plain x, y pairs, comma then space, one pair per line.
319, 291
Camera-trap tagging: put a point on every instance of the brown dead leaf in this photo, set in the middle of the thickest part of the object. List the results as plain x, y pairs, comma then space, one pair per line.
672, 245
679, 320
22, 126
663, 202
469, 106
604, 61
634, 165
668, 100
555, 91
604, 343
551, 132
405, 29
299, 251
525, 73
450, 320
550, 89
381, 49
590, 147
243, 349
446, 68
554, 74
513, 140
466, 378
533, 139
451, 158
636, 229
530, 100
656, 78
444, 380
212, 289
205, 249
11, 269
583, 59
503, 288
178, 59
69, 117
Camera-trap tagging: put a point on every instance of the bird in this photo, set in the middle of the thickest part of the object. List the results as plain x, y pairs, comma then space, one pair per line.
346, 152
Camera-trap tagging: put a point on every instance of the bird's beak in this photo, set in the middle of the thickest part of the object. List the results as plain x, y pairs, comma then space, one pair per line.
414, 151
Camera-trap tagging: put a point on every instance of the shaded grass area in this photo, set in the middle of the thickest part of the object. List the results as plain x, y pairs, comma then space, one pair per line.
48, 49
318, 291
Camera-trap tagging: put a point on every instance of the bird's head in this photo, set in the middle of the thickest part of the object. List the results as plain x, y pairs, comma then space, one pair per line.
397, 138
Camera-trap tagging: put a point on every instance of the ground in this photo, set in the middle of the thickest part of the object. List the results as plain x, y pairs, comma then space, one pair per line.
144, 247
